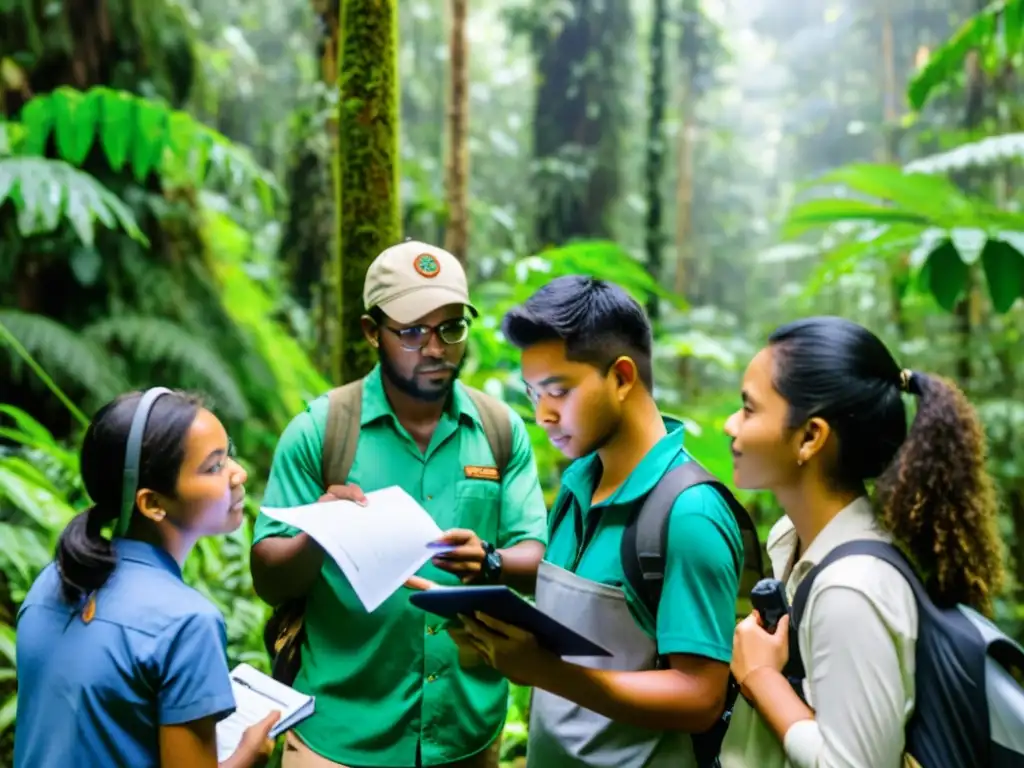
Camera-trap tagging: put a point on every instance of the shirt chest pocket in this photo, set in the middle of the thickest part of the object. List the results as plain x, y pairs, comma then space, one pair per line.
478, 507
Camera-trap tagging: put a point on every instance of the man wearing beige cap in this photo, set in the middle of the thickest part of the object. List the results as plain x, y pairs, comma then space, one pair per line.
389, 688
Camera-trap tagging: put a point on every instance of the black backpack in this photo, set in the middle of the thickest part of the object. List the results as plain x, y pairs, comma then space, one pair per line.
969, 710
644, 542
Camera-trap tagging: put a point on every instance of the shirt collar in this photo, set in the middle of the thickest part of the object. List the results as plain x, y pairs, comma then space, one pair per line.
376, 406
581, 477
141, 552
854, 521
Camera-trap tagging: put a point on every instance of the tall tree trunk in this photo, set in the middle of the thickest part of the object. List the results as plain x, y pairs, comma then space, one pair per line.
578, 119
654, 237
898, 273
367, 181
457, 231
685, 281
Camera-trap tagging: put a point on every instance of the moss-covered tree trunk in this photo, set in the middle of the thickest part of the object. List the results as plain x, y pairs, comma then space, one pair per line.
367, 182
457, 232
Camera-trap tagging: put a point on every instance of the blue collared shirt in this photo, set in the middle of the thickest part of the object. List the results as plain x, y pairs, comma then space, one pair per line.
96, 693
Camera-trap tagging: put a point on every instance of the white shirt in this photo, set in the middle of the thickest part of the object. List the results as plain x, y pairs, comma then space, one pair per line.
857, 638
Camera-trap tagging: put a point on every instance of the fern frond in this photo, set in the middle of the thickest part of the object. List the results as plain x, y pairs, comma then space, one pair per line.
64, 354
159, 343
46, 192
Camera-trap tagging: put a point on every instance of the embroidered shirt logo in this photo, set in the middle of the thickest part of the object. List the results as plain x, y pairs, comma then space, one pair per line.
483, 473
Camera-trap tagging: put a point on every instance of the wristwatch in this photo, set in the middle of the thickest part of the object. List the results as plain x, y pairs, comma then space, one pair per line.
490, 568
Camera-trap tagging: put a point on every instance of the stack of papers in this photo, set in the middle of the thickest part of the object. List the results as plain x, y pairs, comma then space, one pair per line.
377, 546
256, 696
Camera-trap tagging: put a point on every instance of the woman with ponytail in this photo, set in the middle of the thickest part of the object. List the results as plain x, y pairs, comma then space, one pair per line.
119, 662
823, 416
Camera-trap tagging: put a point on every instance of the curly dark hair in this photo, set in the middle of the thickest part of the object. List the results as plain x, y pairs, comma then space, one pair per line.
935, 495
938, 500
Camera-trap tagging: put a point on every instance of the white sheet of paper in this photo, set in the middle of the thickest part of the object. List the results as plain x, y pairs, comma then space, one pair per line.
378, 547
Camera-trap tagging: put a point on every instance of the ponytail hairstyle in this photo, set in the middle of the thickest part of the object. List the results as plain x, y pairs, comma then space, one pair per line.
935, 495
85, 557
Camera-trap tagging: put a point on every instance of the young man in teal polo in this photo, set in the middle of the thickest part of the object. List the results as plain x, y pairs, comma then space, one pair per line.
389, 689
586, 361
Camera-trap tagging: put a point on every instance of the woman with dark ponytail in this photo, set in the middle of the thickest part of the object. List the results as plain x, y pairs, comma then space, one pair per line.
119, 662
823, 417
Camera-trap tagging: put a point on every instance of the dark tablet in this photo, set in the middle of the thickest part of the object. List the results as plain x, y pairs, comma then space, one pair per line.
505, 605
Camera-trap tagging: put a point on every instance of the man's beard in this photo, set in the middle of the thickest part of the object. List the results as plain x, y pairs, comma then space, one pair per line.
410, 387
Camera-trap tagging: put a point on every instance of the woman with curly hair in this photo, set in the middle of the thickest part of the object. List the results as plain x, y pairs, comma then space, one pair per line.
823, 414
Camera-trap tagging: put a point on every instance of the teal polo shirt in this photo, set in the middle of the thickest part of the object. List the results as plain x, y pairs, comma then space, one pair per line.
703, 559
389, 681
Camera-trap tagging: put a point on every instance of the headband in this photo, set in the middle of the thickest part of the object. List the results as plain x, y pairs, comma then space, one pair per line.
133, 455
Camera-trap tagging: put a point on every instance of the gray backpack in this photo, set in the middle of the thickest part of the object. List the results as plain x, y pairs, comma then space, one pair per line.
969, 710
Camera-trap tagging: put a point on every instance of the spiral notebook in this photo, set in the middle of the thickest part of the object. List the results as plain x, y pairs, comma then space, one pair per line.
256, 696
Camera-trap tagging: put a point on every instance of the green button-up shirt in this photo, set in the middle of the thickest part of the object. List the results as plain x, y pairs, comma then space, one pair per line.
390, 680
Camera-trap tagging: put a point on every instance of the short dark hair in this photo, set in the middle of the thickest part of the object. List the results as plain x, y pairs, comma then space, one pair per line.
598, 321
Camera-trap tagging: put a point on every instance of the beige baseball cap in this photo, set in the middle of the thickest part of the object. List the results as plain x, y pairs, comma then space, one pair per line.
412, 279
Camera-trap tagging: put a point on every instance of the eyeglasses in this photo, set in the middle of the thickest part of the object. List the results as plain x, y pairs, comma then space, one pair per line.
417, 337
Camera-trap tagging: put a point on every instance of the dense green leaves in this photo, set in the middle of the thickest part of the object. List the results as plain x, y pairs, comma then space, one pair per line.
925, 219
995, 32
140, 135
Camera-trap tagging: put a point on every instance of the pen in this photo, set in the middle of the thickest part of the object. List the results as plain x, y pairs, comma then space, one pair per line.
265, 695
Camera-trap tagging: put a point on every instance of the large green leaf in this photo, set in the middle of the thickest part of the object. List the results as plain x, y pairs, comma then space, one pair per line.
75, 117
815, 214
923, 195
1004, 273
945, 275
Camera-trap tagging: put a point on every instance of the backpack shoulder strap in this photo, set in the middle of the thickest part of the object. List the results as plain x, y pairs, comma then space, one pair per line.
341, 435
873, 547
645, 537
497, 426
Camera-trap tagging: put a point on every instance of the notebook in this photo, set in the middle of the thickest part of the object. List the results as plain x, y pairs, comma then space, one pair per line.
508, 606
256, 696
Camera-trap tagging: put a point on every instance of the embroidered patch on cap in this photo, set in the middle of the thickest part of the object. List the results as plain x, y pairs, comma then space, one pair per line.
427, 265
483, 473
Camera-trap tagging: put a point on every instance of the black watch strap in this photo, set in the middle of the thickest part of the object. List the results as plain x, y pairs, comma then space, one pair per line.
490, 569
